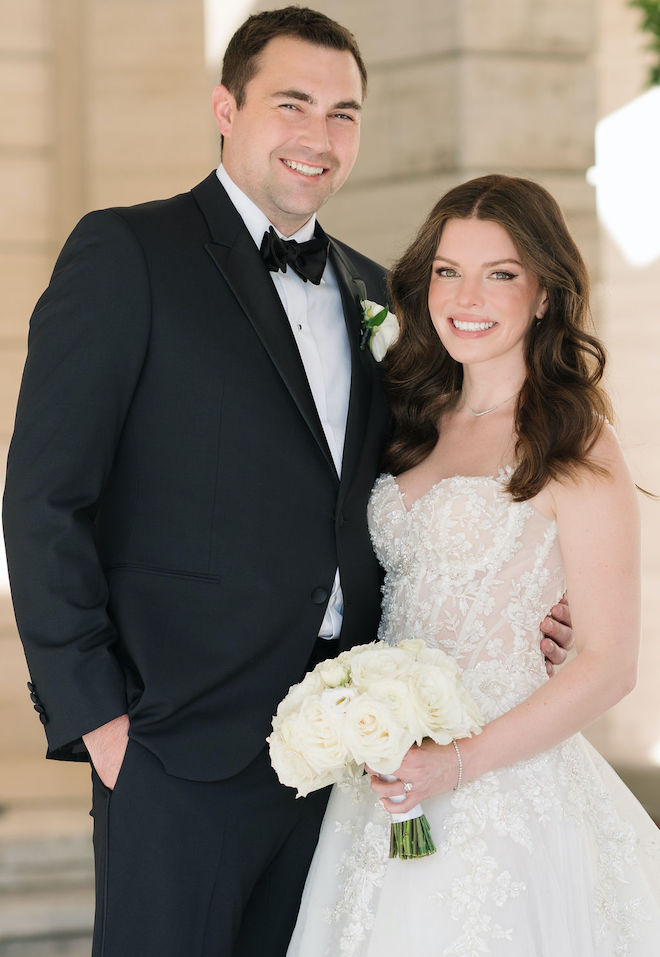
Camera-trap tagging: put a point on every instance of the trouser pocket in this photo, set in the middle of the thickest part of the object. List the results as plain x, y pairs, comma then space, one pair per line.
102, 798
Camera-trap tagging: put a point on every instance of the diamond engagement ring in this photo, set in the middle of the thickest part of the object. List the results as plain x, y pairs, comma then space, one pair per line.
407, 787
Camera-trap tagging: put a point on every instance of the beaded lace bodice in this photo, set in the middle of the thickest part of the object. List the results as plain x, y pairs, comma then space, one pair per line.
472, 572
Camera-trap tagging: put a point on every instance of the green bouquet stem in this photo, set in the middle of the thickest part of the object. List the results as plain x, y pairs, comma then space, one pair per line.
411, 839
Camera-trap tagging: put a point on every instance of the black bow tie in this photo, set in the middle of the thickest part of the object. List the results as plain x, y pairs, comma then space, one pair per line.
306, 259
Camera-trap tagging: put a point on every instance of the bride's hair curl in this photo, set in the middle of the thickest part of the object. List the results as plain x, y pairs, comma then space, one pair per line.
561, 408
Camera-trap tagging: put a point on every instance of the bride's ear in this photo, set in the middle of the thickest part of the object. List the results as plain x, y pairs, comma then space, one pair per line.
543, 304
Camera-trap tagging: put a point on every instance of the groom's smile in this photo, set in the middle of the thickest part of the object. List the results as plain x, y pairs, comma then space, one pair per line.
304, 168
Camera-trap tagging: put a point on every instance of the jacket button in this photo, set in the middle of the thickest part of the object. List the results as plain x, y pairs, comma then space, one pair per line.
39, 708
43, 719
319, 596
34, 698
31, 687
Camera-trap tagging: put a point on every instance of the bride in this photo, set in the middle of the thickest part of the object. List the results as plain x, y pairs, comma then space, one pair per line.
505, 486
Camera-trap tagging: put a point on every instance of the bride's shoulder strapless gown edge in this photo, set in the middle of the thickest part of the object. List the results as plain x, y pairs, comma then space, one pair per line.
552, 857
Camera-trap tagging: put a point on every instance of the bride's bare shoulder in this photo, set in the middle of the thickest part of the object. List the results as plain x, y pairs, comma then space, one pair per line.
604, 481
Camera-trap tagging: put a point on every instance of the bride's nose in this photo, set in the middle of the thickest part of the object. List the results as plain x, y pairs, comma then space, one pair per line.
470, 292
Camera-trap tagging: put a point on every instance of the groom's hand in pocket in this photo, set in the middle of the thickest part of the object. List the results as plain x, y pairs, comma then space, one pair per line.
107, 746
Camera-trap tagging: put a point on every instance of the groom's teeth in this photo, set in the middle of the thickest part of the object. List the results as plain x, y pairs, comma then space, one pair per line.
303, 168
472, 326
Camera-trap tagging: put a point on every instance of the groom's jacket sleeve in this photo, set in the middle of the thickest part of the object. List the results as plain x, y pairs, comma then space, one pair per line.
87, 342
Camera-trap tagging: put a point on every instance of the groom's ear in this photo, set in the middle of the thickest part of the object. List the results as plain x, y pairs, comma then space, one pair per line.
224, 107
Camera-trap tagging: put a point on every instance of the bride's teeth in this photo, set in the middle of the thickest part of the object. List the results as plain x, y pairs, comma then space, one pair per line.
472, 326
303, 168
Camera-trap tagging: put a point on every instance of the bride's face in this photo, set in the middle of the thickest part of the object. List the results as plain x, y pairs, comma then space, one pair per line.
482, 300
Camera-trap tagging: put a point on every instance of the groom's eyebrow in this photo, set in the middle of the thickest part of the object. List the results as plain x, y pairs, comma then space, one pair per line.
307, 98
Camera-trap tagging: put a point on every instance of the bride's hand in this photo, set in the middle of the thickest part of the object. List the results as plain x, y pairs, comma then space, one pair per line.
431, 769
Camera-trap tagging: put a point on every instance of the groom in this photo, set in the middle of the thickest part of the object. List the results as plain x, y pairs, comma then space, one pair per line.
197, 433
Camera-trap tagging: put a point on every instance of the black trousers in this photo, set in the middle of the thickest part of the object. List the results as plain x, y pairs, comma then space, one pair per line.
200, 869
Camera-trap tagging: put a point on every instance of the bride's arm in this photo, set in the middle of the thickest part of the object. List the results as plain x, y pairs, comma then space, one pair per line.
598, 523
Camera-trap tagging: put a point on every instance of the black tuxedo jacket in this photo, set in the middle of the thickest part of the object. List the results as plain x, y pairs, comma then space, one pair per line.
172, 514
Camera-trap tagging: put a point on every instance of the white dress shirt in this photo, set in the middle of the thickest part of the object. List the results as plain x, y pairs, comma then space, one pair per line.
316, 316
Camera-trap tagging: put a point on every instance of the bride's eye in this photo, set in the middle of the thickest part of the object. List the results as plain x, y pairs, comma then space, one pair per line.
503, 274
447, 272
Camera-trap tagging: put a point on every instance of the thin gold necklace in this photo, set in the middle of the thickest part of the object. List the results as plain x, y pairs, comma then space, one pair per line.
492, 408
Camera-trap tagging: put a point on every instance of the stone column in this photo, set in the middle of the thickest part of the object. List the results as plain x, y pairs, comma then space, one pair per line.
26, 252
627, 297
102, 102
463, 87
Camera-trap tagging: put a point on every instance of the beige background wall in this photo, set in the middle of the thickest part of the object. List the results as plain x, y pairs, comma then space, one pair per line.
101, 102
106, 102
627, 308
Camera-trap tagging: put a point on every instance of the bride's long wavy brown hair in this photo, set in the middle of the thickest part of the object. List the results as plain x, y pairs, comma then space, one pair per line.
561, 408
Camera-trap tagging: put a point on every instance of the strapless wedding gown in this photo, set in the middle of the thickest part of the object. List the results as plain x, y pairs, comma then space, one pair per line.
553, 856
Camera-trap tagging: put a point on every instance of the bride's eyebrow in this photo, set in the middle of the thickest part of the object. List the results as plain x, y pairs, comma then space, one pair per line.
496, 262
501, 262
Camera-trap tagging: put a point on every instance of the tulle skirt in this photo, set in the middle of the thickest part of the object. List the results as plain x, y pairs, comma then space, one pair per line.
553, 857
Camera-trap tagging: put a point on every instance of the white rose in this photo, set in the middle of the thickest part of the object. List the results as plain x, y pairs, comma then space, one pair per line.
379, 660
336, 700
436, 657
384, 335
395, 693
315, 732
374, 736
344, 657
333, 672
442, 706
312, 684
292, 769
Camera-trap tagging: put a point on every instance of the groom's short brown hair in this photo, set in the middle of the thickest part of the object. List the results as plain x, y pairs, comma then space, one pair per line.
241, 60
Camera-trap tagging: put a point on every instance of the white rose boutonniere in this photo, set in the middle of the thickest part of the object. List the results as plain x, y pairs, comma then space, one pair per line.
379, 328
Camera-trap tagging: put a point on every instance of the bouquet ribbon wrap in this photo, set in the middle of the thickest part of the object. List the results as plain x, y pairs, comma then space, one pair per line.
410, 835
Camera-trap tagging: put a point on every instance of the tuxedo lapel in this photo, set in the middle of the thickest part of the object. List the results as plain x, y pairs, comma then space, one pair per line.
240, 263
352, 290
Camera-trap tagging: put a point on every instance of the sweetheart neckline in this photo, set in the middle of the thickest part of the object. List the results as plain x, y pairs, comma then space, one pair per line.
448, 478
503, 473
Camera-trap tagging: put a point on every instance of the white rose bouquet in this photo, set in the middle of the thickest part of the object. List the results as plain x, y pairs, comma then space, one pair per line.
369, 706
